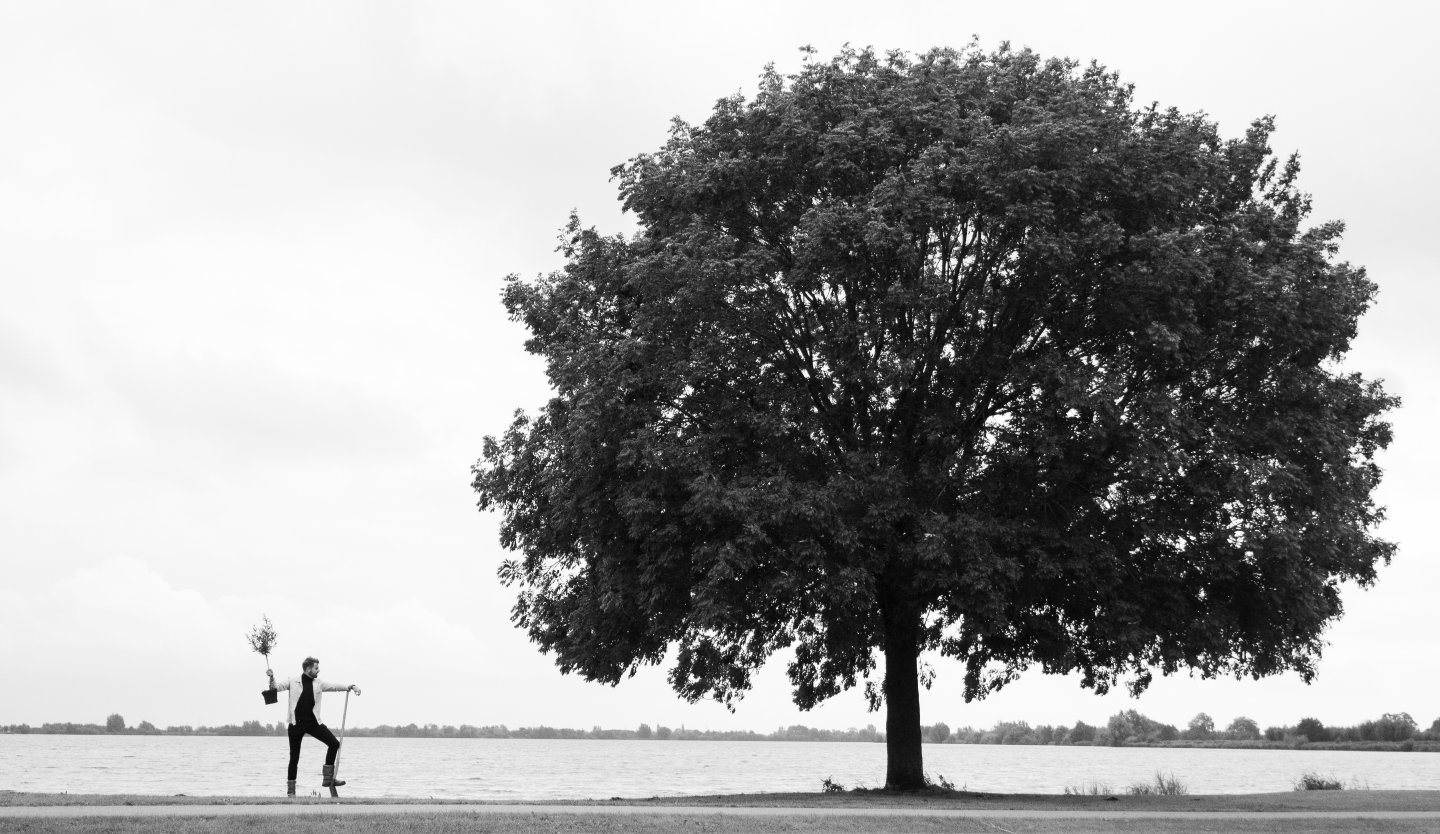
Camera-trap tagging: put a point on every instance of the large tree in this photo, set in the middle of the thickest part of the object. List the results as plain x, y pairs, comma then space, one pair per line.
961, 353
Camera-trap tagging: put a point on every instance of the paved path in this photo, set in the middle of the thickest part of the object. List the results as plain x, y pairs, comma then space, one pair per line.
346, 809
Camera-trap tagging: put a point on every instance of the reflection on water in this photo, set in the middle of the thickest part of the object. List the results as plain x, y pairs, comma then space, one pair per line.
534, 769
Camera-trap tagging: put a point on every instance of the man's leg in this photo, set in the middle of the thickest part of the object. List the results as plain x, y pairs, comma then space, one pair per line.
332, 749
332, 744
296, 735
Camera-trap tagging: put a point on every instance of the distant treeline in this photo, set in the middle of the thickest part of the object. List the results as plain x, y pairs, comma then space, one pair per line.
1133, 729
1392, 731
115, 725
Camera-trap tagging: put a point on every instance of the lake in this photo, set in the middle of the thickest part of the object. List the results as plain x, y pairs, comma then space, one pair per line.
534, 769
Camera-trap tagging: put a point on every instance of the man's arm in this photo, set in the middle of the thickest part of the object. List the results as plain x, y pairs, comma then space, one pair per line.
326, 686
281, 685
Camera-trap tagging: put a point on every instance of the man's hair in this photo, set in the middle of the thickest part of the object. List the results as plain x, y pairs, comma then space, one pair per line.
309, 661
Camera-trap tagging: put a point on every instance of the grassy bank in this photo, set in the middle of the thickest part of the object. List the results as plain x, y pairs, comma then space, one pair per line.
762, 813
649, 824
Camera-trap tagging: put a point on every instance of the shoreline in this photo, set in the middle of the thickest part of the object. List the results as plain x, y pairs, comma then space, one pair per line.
1342, 801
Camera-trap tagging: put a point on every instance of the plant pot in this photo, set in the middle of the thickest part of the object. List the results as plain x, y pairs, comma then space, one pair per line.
269, 695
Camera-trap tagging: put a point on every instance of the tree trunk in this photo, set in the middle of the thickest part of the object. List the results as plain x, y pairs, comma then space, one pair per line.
905, 769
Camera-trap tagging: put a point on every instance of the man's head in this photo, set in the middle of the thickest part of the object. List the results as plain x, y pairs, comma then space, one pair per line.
311, 667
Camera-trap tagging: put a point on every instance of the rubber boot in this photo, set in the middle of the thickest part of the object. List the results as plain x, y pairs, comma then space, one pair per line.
328, 773
289, 787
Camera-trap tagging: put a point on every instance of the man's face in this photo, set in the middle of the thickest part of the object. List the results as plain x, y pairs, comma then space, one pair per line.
313, 670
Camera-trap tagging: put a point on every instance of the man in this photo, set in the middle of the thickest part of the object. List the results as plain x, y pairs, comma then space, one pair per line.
305, 692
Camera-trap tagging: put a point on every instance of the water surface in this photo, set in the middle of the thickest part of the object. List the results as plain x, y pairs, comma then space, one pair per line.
543, 769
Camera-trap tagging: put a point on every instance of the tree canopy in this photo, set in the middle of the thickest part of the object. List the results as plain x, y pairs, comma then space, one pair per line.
962, 353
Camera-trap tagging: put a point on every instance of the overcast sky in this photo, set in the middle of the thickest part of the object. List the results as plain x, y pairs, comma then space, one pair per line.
251, 338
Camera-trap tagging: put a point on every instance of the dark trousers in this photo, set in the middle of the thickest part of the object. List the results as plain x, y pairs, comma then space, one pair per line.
320, 731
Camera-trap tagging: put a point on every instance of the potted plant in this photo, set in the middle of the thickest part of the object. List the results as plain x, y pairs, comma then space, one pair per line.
262, 640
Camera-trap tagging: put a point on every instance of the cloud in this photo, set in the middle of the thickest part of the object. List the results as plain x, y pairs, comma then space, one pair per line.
114, 636
119, 636
255, 409
27, 367
118, 605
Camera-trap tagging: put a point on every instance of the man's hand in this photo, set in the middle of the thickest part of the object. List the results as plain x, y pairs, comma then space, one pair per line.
355, 689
